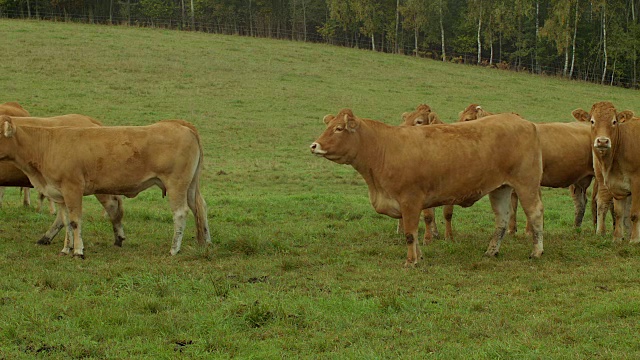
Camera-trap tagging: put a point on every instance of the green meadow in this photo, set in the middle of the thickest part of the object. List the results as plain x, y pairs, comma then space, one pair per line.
301, 266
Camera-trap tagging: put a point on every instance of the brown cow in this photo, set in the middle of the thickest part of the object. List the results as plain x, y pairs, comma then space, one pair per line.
12, 176
111, 160
423, 115
15, 109
408, 169
613, 139
566, 157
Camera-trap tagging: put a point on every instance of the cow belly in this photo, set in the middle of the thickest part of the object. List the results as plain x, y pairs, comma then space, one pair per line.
128, 189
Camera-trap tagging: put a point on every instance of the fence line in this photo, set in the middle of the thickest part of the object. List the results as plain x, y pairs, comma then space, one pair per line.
356, 41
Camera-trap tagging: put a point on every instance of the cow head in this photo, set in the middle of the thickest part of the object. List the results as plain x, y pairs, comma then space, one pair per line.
421, 116
473, 112
604, 120
340, 141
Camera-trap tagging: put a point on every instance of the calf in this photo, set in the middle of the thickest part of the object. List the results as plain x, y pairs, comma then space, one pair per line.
67, 163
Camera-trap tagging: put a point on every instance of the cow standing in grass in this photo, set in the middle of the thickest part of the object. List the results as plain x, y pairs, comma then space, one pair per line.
409, 169
68, 163
566, 156
10, 175
614, 140
423, 115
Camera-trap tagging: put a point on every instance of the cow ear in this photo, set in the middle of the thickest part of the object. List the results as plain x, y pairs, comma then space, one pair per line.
424, 108
624, 116
327, 118
434, 119
351, 121
404, 115
480, 112
8, 129
580, 115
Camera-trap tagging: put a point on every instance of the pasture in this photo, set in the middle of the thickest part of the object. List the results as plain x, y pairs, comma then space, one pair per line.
301, 265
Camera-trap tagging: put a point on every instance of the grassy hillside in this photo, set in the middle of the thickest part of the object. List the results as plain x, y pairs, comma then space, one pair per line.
301, 265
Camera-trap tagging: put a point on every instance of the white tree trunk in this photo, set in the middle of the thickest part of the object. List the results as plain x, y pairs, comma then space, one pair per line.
444, 53
604, 42
479, 29
575, 34
193, 17
397, 47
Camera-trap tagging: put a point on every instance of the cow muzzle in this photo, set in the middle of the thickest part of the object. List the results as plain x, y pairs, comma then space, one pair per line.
316, 149
602, 143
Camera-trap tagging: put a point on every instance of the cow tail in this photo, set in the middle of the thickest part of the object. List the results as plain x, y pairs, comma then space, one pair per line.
202, 226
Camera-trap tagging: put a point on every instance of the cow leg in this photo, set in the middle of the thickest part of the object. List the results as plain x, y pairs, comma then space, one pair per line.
619, 212
532, 206
594, 205
430, 225
199, 209
513, 222
399, 228
55, 228
179, 207
112, 204
410, 221
52, 206
634, 215
579, 195
447, 212
73, 203
501, 205
41, 198
63, 217
26, 196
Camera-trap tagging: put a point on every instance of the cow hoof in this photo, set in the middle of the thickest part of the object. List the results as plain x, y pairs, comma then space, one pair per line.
173, 252
410, 264
44, 241
536, 254
491, 253
78, 256
119, 241
62, 253
634, 242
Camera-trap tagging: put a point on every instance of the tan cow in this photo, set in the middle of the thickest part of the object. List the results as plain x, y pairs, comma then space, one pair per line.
15, 109
67, 163
10, 175
408, 169
566, 157
423, 115
614, 143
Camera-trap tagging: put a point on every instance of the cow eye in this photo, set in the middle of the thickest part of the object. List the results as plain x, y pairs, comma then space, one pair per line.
339, 128
614, 122
593, 122
419, 122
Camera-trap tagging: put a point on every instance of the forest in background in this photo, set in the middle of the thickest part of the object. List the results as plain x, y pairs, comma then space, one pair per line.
596, 41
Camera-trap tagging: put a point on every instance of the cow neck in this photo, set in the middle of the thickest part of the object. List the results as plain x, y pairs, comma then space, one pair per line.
370, 160
26, 139
607, 160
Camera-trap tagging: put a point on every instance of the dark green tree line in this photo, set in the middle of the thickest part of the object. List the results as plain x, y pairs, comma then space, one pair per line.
593, 40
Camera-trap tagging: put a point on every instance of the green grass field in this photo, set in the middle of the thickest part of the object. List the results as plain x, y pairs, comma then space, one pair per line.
301, 265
